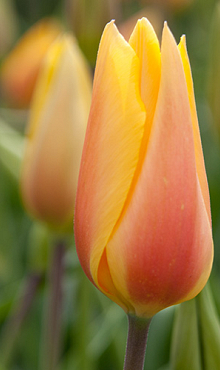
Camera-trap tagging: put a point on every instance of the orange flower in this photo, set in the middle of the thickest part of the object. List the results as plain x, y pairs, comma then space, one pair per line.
58, 121
20, 69
142, 218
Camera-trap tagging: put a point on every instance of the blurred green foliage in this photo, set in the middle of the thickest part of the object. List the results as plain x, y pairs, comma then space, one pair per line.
93, 332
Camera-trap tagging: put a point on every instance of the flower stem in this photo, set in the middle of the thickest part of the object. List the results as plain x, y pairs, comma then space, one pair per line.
83, 322
16, 319
136, 343
52, 327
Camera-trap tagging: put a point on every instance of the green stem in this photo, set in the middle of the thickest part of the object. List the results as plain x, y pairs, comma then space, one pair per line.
83, 322
136, 343
52, 328
15, 321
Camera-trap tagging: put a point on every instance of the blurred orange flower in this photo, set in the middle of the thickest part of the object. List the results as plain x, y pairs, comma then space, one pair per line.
57, 128
20, 69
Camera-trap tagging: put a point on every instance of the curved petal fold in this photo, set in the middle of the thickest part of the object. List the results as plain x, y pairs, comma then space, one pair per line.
116, 120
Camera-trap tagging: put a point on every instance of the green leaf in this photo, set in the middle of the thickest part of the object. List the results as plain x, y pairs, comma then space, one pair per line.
210, 329
185, 346
11, 149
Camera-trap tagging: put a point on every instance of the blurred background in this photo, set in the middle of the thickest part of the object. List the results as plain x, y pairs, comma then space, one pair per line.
89, 331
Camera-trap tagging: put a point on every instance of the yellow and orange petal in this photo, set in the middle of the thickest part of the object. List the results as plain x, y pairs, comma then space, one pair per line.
116, 121
145, 242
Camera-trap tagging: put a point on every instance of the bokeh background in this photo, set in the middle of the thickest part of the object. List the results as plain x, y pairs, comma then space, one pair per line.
92, 330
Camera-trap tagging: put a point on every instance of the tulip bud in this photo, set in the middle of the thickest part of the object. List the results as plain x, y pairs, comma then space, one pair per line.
142, 218
21, 67
58, 120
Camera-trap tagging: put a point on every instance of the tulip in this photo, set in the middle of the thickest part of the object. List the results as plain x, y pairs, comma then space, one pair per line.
57, 128
142, 217
20, 68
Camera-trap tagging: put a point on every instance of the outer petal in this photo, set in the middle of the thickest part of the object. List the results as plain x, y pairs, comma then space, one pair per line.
57, 131
161, 252
116, 121
200, 167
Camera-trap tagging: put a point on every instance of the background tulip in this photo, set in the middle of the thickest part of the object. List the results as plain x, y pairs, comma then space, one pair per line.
20, 69
56, 133
142, 221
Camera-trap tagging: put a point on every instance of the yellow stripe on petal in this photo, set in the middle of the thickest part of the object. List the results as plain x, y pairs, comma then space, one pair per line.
146, 45
44, 84
197, 141
117, 119
106, 284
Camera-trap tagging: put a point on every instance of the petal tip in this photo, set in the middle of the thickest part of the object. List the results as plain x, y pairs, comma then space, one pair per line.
144, 23
167, 36
110, 25
183, 40
165, 26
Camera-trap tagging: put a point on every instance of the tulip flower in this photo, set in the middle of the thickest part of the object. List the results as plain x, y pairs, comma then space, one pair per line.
142, 218
20, 69
57, 128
